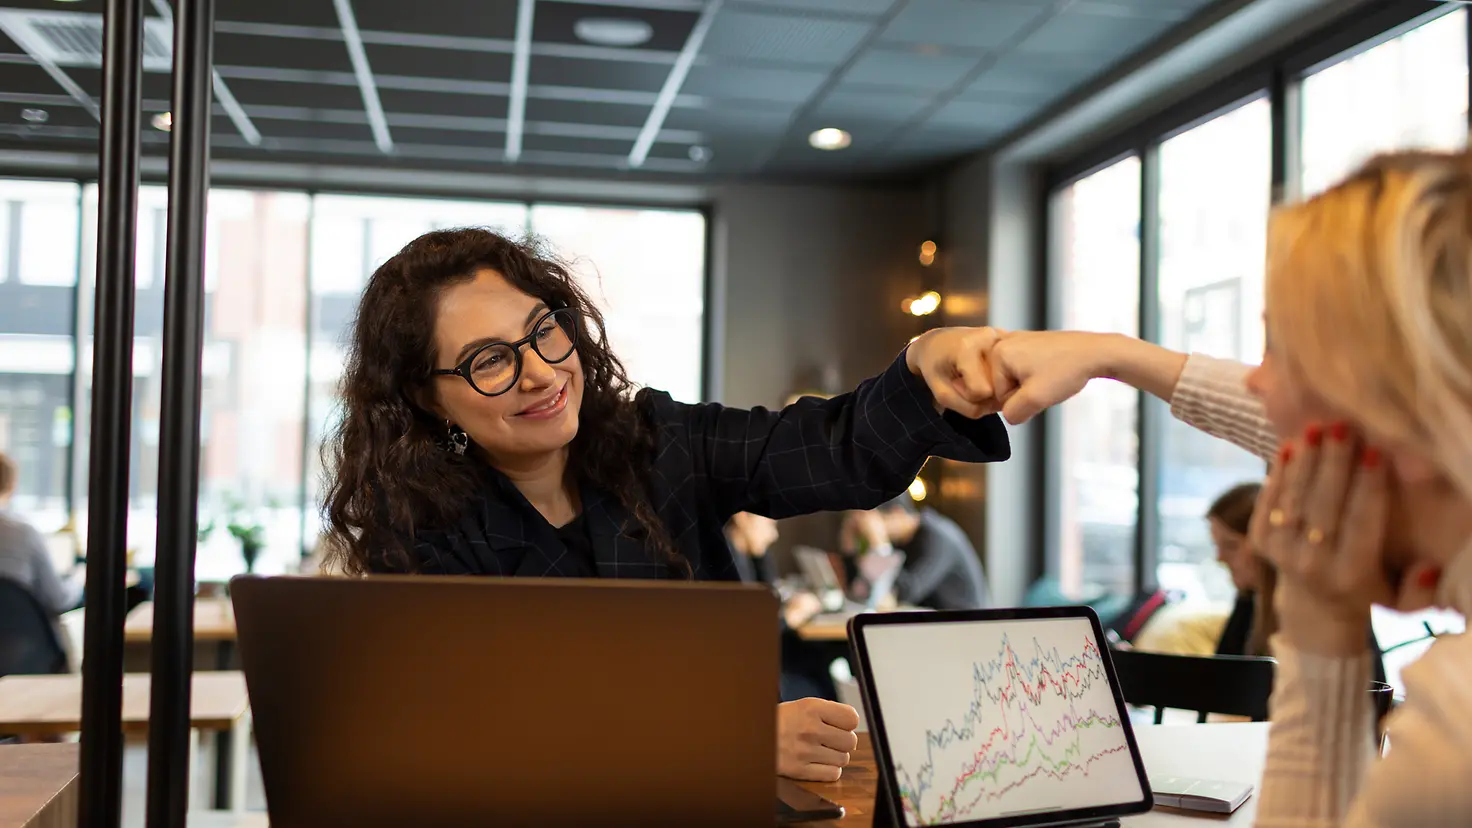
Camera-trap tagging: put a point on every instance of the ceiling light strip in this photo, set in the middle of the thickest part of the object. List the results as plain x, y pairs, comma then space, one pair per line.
521, 60
226, 98
672, 85
364, 74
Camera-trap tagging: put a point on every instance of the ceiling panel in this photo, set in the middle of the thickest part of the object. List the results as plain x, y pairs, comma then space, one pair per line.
556, 22
602, 74
726, 119
287, 53
278, 128
282, 12
56, 115
309, 95
420, 61
752, 34
751, 84
406, 101
1074, 32
575, 112
969, 24
852, 8
590, 146
461, 18
845, 105
1044, 77
489, 141
987, 117
908, 68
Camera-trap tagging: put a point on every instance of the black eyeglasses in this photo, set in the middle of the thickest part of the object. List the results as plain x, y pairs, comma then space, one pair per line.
494, 368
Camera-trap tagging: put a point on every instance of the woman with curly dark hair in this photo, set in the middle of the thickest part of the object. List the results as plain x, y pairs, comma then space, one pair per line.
489, 430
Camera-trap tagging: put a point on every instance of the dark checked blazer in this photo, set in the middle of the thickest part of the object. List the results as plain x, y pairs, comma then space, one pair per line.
853, 451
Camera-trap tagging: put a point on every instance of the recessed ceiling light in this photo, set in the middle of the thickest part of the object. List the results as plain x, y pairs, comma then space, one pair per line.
830, 138
34, 116
700, 154
613, 31
163, 121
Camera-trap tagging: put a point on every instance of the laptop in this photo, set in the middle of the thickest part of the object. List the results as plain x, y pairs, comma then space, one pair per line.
430, 701
991, 718
818, 571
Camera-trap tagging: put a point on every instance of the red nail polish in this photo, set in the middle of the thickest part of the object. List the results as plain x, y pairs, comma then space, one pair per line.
1429, 578
1339, 431
1285, 454
1371, 458
1313, 436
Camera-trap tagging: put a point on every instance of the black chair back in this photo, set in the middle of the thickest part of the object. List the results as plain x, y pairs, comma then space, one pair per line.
1230, 685
29, 642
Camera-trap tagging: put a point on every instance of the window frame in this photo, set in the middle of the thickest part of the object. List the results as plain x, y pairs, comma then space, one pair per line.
1279, 77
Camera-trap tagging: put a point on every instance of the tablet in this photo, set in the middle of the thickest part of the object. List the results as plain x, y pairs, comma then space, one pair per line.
996, 717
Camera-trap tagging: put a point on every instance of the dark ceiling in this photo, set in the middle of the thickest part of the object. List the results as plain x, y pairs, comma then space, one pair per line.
720, 89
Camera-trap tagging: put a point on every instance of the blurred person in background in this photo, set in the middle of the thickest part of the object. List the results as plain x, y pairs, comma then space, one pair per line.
25, 557
941, 569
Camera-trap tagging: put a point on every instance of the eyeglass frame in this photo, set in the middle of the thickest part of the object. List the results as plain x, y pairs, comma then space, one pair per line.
463, 369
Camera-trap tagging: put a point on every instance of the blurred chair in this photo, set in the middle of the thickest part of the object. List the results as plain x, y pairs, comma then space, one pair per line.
1229, 685
29, 641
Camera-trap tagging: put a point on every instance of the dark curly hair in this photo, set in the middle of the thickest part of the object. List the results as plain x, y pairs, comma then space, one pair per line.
387, 477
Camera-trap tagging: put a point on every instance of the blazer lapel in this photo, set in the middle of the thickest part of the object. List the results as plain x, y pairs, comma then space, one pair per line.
616, 553
521, 541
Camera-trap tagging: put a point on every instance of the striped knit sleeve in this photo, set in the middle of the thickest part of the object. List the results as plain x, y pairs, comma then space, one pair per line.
1321, 743
1211, 395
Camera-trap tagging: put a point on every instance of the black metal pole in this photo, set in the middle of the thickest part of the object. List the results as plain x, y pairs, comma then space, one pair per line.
112, 407
178, 487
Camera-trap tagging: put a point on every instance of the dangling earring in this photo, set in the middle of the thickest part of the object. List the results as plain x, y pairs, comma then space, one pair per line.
456, 440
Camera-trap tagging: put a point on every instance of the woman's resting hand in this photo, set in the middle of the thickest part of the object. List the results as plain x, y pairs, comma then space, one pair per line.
814, 739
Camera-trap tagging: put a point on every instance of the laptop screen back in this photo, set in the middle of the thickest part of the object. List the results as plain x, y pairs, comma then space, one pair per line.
999, 719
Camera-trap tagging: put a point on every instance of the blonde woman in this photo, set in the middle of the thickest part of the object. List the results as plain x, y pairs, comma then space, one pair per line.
1364, 400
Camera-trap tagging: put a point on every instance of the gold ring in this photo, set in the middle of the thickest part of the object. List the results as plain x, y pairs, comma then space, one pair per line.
1314, 536
1277, 518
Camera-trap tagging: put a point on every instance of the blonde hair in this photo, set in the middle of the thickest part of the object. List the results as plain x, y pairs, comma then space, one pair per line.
1369, 301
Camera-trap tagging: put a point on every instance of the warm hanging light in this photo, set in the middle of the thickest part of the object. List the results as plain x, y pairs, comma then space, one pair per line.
917, 490
922, 305
927, 253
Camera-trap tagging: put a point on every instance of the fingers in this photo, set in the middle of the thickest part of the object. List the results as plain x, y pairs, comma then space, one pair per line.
974, 377
1021, 406
1332, 451
948, 398
1362, 530
1280, 535
841, 716
815, 773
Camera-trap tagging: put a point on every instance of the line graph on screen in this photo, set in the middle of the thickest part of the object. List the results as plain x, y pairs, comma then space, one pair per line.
1040, 718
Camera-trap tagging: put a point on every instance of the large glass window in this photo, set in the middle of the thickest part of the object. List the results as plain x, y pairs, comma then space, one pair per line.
38, 278
643, 268
254, 365
1410, 91
351, 237
1215, 182
1096, 273
283, 273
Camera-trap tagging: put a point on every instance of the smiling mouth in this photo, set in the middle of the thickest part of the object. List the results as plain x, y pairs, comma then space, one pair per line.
549, 407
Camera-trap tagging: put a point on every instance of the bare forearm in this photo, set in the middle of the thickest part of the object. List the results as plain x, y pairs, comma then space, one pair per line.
1143, 365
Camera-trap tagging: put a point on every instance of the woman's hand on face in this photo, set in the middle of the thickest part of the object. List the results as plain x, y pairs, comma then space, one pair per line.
814, 739
1321, 521
952, 361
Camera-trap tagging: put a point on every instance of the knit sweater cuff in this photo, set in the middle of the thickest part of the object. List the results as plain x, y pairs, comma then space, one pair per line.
1322, 739
1212, 395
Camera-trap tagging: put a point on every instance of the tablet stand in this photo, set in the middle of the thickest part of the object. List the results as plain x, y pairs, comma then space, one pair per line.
884, 818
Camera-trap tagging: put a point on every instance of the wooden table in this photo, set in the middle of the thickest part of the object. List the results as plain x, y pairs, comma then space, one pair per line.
219, 706
833, 626
214, 621
1230, 752
38, 786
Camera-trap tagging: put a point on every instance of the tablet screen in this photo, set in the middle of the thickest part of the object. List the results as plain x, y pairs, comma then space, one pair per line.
993, 719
